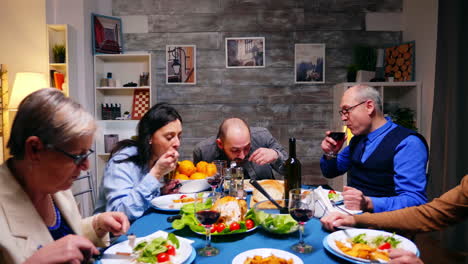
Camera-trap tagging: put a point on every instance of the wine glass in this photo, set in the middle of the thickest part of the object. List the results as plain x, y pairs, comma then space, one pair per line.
339, 138
221, 165
217, 179
214, 180
207, 217
301, 208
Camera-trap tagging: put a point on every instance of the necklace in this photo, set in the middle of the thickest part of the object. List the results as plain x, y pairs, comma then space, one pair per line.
52, 206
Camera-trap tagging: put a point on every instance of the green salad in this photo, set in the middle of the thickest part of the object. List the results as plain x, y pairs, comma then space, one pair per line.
157, 250
276, 223
380, 241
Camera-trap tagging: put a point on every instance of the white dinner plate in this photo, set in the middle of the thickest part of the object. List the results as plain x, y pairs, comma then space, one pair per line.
266, 252
166, 202
338, 200
183, 252
330, 245
247, 186
194, 186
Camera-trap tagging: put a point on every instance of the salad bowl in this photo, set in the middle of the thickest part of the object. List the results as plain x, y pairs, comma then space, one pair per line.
268, 216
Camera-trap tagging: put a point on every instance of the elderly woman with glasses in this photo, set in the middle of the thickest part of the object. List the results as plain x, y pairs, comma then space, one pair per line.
50, 143
385, 162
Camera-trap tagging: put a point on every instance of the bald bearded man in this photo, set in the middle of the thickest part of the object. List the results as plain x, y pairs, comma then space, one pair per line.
254, 149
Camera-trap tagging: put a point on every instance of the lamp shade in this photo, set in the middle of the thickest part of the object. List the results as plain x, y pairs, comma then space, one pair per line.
25, 84
176, 66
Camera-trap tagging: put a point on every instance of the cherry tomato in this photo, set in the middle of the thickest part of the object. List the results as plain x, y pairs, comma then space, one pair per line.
385, 245
220, 227
214, 228
183, 196
331, 191
170, 250
249, 223
163, 257
234, 226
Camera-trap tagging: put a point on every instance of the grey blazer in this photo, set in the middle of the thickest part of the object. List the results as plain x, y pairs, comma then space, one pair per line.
208, 150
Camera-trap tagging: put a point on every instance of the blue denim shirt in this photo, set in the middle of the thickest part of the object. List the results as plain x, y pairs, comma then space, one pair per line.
126, 187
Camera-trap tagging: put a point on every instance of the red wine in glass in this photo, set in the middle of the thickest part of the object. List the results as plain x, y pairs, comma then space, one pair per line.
301, 215
337, 136
207, 217
214, 181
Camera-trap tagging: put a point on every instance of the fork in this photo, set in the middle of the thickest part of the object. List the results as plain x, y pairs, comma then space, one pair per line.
339, 208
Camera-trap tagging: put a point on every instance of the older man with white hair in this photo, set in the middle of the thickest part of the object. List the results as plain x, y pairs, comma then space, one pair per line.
385, 162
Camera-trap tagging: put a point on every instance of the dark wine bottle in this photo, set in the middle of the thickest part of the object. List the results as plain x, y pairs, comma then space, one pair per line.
292, 179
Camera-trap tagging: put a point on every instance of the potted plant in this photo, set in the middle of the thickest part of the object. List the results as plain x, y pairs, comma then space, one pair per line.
351, 72
59, 53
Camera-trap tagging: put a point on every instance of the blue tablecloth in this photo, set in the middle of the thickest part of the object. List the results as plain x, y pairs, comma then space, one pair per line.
231, 245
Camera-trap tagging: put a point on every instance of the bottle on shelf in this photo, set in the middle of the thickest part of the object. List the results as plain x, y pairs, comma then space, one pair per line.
292, 178
110, 82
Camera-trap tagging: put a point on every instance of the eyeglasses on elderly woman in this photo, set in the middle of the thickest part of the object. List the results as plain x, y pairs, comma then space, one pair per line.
77, 159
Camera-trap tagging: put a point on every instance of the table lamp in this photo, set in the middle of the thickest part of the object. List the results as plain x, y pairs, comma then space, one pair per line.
25, 84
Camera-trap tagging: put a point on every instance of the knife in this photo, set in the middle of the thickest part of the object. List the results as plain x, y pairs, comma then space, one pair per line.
117, 255
260, 189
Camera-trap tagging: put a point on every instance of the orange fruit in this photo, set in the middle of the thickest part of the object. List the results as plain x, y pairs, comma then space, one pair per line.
186, 167
210, 169
201, 166
198, 176
182, 177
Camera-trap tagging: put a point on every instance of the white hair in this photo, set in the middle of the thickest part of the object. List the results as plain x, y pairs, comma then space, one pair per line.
366, 92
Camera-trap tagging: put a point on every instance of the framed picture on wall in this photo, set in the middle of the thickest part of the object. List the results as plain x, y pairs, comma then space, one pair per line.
181, 64
245, 52
107, 34
309, 63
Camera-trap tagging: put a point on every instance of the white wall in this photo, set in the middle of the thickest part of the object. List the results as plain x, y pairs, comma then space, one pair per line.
77, 14
23, 45
420, 24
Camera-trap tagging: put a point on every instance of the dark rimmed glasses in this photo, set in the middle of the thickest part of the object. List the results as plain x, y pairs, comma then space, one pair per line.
345, 111
77, 159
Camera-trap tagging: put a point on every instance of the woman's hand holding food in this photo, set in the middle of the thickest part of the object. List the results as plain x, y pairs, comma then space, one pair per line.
165, 164
335, 219
69, 249
115, 222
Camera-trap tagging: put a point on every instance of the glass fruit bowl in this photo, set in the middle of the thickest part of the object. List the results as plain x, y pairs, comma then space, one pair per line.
272, 220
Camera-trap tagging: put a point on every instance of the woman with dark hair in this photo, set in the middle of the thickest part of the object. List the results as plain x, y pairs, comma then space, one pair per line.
135, 172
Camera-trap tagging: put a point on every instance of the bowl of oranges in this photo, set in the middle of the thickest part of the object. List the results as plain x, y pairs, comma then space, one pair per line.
193, 177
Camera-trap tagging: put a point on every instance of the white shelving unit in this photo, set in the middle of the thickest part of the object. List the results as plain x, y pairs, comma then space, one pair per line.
57, 34
125, 68
401, 94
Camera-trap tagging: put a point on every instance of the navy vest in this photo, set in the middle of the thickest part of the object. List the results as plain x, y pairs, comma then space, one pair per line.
374, 177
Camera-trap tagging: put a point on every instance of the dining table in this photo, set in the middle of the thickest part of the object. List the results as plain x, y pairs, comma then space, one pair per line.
232, 245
